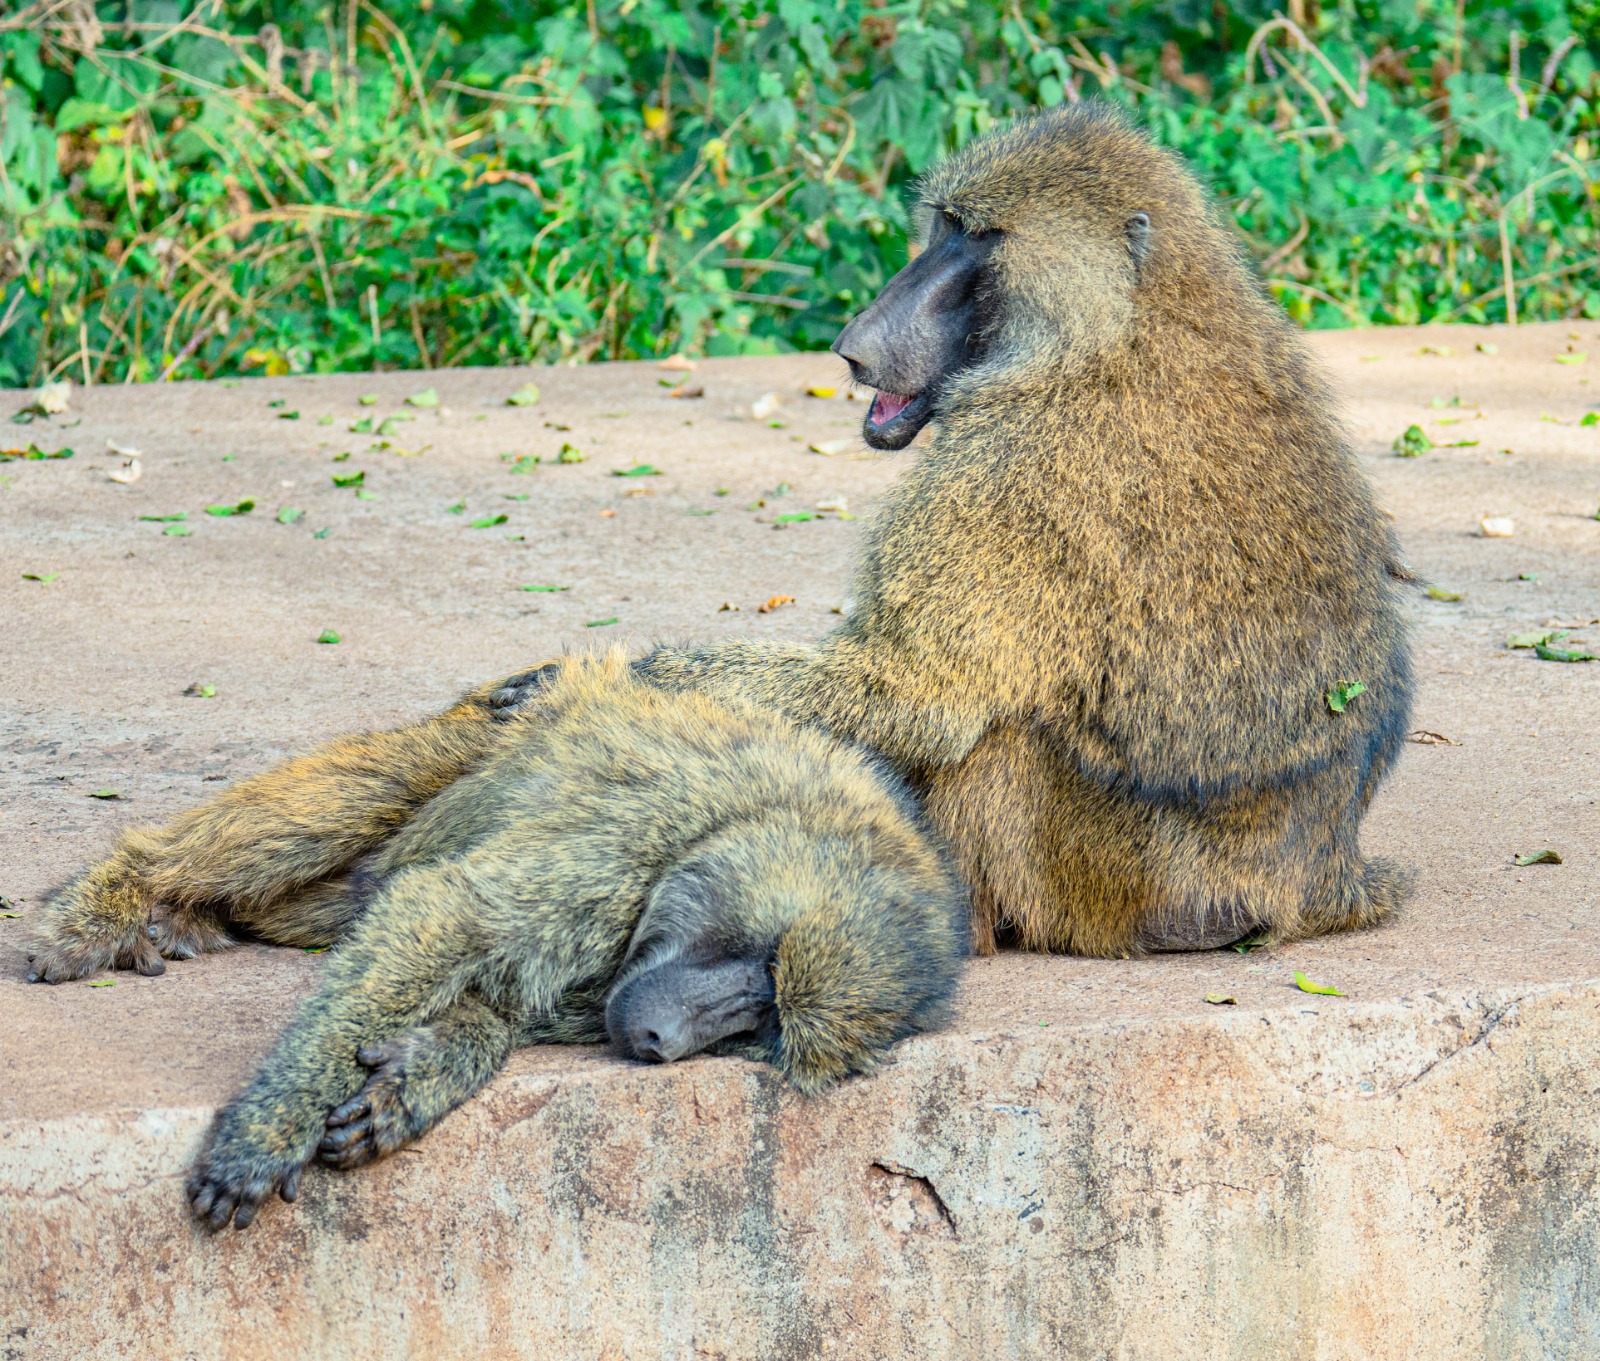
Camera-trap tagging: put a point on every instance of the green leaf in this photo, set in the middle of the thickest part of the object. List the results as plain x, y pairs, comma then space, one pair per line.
456, 509
569, 454
1320, 989
1544, 857
362, 494
1577, 358
32, 453
525, 463
1461, 444
363, 426
104, 794
526, 395
177, 531
1537, 636
350, 479
427, 397
323, 532
544, 588
325, 420
638, 470
515, 496
1546, 653
166, 519
202, 691
43, 578
288, 515
315, 949
1590, 418
1439, 593
487, 521
240, 508
601, 623
795, 517
288, 415
1413, 443
368, 399
104, 983
1342, 692
328, 636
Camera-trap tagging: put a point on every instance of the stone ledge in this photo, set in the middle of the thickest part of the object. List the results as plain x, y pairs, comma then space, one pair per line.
1408, 1179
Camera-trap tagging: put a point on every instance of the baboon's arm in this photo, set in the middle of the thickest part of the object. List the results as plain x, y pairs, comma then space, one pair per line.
415, 1080
246, 855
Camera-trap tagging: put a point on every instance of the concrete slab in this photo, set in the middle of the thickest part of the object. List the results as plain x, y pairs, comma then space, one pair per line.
1091, 1162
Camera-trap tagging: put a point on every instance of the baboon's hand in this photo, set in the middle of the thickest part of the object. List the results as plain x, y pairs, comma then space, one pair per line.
515, 692
239, 1170
98, 921
377, 1120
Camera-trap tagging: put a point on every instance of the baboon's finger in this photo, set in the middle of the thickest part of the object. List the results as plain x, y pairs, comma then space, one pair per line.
358, 1105
290, 1190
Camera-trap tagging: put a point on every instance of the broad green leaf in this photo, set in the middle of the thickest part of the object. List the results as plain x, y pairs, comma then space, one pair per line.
1320, 989
328, 636
427, 397
239, 508
1341, 693
487, 521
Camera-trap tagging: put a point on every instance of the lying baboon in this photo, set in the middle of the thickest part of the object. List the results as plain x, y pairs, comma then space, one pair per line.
678, 873
1099, 620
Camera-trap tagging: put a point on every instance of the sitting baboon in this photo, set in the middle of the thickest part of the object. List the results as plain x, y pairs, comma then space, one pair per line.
1099, 620
676, 872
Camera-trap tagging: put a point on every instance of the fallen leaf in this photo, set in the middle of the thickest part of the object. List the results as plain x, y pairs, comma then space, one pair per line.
455, 509
1413, 442
1497, 527
198, 691
362, 426
836, 505
177, 531
288, 415
516, 496
526, 395
1487, 347
818, 391
1544, 857
1536, 637
688, 390
368, 399
1439, 593
325, 419
544, 588
104, 794
43, 579
289, 514
487, 521
166, 519
1590, 418
104, 983
608, 514
795, 517
728, 606
525, 463
569, 453
323, 532
774, 603
677, 363
357, 479
1342, 692
638, 470
1249, 943
32, 453
829, 447
238, 508
427, 397
1320, 989
1221, 999
1461, 444
315, 949
766, 406
1443, 351
1424, 738
601, 623
328, 636
1546, 653
1576, 358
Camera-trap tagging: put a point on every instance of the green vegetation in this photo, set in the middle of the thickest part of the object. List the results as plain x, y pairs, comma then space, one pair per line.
219, 187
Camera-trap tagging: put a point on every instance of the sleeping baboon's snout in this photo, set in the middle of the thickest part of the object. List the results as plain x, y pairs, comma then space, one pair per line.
920, 330
679, 1008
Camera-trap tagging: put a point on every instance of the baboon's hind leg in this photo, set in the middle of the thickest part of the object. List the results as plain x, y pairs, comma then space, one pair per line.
415, 1080
250, 856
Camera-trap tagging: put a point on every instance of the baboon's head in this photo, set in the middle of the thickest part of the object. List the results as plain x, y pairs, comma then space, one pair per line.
778, 945
1039, 242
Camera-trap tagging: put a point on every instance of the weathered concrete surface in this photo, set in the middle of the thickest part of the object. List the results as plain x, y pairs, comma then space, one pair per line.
1091, 1162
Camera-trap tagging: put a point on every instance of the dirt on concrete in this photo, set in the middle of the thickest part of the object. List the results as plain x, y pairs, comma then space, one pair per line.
98, 659
422, 571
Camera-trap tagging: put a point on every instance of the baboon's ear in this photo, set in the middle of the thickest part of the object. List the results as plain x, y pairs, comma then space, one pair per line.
1138, 230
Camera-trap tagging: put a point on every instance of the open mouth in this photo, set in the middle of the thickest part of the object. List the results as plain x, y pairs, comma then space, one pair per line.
894, 420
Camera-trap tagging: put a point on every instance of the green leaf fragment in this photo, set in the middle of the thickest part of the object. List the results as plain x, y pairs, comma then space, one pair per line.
525, 463
1537, 637
104, 794
1577, 358
456, 509
288, 515
368, 399
104, 983
1545, 653
44, 578
1439, 593
795, 517
544, 588
177, 531
325, 420
239, 508
166, 519
1413, 443
427, 397
390, 425
526, 395
638, 470
1340, 694
515, 496
1320, 989
601, 623
32, 453
1590, 418
315, 949
362, 426
362, 494
1544, 857
350, 479
328, 636
323, 532
487, 521
288, 415
569, 454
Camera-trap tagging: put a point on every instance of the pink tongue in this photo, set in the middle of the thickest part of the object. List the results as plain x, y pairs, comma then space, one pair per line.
886, 406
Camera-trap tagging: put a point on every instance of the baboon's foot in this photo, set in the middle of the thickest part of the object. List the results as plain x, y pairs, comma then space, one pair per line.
240, 1169
1210, 927
96, 922
379, 1120
180, 934
516, 692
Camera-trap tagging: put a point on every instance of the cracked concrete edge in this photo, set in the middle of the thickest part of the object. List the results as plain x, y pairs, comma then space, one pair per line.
1408, 1179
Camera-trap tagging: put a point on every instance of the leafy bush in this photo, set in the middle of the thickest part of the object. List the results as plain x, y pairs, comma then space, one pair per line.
271, 185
